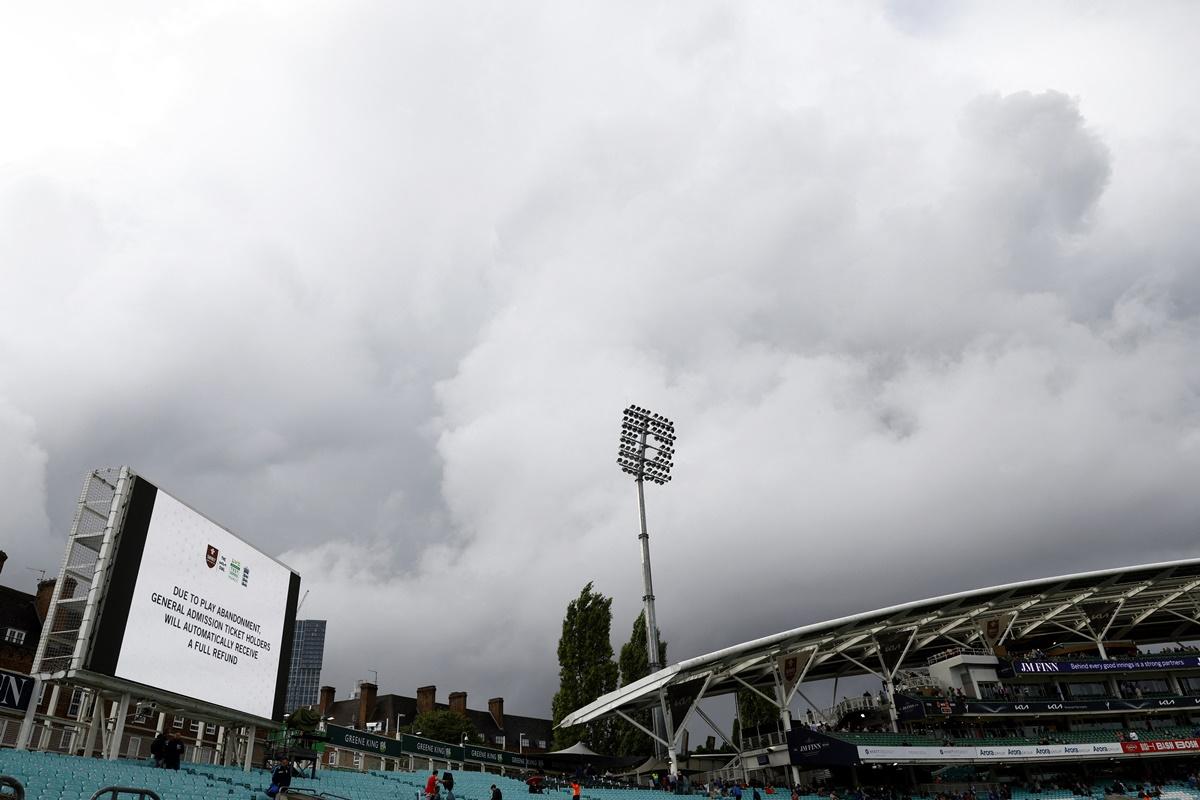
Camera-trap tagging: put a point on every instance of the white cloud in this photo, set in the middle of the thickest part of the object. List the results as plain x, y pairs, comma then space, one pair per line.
371, 285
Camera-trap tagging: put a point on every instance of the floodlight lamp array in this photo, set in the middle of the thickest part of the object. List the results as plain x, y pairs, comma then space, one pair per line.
640, 427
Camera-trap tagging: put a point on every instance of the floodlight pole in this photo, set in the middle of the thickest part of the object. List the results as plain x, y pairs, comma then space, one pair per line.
638, 427
652, 646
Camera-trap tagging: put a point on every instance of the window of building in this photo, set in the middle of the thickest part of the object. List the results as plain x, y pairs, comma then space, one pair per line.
211, 728
195, 726
358, 757
76, 700
177, 722
542, 744
42, 695
332, 758
14, 635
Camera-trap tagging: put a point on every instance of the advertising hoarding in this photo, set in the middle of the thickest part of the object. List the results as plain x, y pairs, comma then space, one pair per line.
421, 747
1018, 667
194, 610
15, 690
937, 755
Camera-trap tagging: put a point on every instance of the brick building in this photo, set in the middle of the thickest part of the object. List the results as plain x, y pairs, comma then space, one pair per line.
21, 617
388, 713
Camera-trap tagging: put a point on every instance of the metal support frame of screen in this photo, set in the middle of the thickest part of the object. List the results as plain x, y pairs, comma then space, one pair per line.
115, 579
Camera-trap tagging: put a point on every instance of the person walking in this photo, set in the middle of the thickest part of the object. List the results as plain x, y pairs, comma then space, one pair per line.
431, 786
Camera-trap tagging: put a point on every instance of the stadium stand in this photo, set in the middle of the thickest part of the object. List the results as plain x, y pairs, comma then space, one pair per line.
52, 776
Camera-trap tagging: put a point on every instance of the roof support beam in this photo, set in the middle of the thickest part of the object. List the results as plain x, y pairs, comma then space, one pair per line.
1104, 631
770, 700
858, 663
1183, 617
1058, 610
1161, 604
943, 632
683, 722
853, 640
642, 728
888, 671
716, 728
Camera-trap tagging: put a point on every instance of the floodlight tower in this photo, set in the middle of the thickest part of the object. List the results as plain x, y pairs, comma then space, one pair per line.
644, 432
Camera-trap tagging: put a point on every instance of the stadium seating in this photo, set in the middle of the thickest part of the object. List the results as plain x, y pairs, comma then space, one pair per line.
51, 776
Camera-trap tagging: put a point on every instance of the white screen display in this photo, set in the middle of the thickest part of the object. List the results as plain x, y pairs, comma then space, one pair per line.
207, 615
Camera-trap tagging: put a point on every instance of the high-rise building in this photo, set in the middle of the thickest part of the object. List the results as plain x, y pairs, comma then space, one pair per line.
308, 653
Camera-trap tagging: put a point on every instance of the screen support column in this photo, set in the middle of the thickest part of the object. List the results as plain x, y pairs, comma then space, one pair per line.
114, 746
251, 733
94, 725
27, 722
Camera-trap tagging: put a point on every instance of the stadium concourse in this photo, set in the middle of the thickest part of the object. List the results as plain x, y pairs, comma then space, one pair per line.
1085, 676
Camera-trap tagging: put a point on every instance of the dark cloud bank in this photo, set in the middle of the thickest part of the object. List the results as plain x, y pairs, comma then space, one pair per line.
371, 285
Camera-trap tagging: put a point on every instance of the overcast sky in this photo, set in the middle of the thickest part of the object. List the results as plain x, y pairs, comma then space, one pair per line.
370, 283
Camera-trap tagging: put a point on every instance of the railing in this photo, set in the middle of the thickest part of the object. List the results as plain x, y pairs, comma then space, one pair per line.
957, 651
918, 682
114, 791
852, 704
8, 782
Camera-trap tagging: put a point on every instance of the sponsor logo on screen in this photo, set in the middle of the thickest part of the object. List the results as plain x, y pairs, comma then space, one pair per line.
235, 570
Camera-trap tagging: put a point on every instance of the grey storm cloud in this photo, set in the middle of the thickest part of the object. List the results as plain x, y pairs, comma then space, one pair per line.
370, 284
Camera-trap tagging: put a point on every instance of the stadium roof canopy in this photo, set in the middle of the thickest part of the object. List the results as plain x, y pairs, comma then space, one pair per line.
1149, 604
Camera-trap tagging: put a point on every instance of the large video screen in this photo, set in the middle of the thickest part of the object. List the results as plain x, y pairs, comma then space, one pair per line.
201, 613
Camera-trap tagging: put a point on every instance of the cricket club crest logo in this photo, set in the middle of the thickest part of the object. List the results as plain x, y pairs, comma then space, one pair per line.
791, 668
210, 557
993, 629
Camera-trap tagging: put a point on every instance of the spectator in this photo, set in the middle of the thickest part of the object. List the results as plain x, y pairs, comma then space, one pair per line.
173, 753
497, 794
158, 749
431, 786
281, 779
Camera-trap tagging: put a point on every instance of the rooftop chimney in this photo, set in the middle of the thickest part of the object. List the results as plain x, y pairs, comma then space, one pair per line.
366, 703
327, 694
496, 709
458, 703
426, 699
45, 589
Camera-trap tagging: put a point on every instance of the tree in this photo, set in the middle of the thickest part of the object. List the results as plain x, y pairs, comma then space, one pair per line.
586, 669
754, 710
635, 665
443, 726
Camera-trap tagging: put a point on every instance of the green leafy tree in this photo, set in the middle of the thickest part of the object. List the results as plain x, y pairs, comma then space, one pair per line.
586, 669
443, 726
755, 710
635, 665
